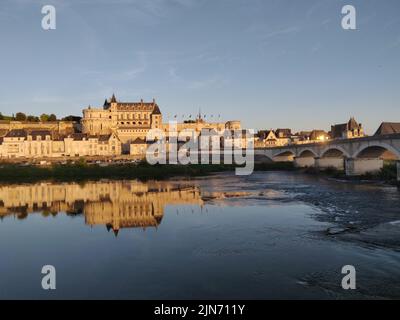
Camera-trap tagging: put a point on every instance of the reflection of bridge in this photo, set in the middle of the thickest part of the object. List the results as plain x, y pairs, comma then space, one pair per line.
355, 156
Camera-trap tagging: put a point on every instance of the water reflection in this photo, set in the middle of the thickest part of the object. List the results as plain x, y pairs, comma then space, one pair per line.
268, 230
115, 204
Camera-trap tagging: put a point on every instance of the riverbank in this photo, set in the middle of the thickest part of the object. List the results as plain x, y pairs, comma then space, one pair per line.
388, 174
81, 171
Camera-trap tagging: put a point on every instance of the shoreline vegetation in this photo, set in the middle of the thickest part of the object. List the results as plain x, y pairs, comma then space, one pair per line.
388, 174
82, 171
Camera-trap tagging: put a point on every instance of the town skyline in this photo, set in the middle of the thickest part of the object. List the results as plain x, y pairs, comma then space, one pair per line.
212, 118
295, 66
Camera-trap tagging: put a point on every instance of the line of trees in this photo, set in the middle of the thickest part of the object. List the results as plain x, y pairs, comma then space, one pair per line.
20, 116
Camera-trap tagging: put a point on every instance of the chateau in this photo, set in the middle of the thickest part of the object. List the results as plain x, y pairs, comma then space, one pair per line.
129, 120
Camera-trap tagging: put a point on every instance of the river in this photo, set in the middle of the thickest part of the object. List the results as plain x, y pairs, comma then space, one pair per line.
271, 235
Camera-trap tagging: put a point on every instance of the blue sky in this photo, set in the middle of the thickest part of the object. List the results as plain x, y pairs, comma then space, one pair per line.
269, 63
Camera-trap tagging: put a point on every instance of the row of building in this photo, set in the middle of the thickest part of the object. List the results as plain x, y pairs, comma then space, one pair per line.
22, 143
351, 129
119, 128
115, 129
282, 137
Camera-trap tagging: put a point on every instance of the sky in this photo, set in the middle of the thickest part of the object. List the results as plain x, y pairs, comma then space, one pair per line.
268, 63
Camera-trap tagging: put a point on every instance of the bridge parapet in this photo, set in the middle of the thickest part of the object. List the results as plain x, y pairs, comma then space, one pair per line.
349, 148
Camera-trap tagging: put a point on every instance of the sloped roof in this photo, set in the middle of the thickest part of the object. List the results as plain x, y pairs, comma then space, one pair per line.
78, 136
338, 129
286, 133
263, 134
40, 133
388, 128
156, 109
104, 137
106, 104
17, 133
138, 141
352, 124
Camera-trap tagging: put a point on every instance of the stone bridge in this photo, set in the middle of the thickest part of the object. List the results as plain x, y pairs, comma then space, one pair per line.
355, 156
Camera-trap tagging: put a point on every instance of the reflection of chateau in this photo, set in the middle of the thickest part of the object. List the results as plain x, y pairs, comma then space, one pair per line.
117, 205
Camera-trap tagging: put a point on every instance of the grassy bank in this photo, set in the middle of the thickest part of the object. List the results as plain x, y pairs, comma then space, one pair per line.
81, 171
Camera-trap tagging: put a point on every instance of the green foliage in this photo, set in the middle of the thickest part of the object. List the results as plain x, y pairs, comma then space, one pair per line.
389, 171
72, 118
81, 171
33, 119
44, 117
20, 116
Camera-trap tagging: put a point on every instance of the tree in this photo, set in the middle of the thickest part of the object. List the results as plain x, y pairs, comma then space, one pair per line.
72, 118
33, 119
52, 117
44, 117
20, 116
1, 116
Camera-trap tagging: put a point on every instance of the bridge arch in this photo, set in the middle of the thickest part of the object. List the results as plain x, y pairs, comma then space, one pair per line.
334, 152
262, 158
284, 156
378, 150
306, 153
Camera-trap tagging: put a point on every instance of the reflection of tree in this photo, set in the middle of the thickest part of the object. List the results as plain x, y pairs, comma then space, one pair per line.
77, 208
22, 215
45, 213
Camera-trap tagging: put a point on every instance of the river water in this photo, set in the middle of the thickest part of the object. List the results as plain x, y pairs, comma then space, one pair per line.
270, 235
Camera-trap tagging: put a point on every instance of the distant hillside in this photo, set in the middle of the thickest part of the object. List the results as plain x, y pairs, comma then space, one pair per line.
5, 117
19, 116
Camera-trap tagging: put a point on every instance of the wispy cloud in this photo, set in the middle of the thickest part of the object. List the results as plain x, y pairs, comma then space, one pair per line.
315, 7
280, 32
213, 80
